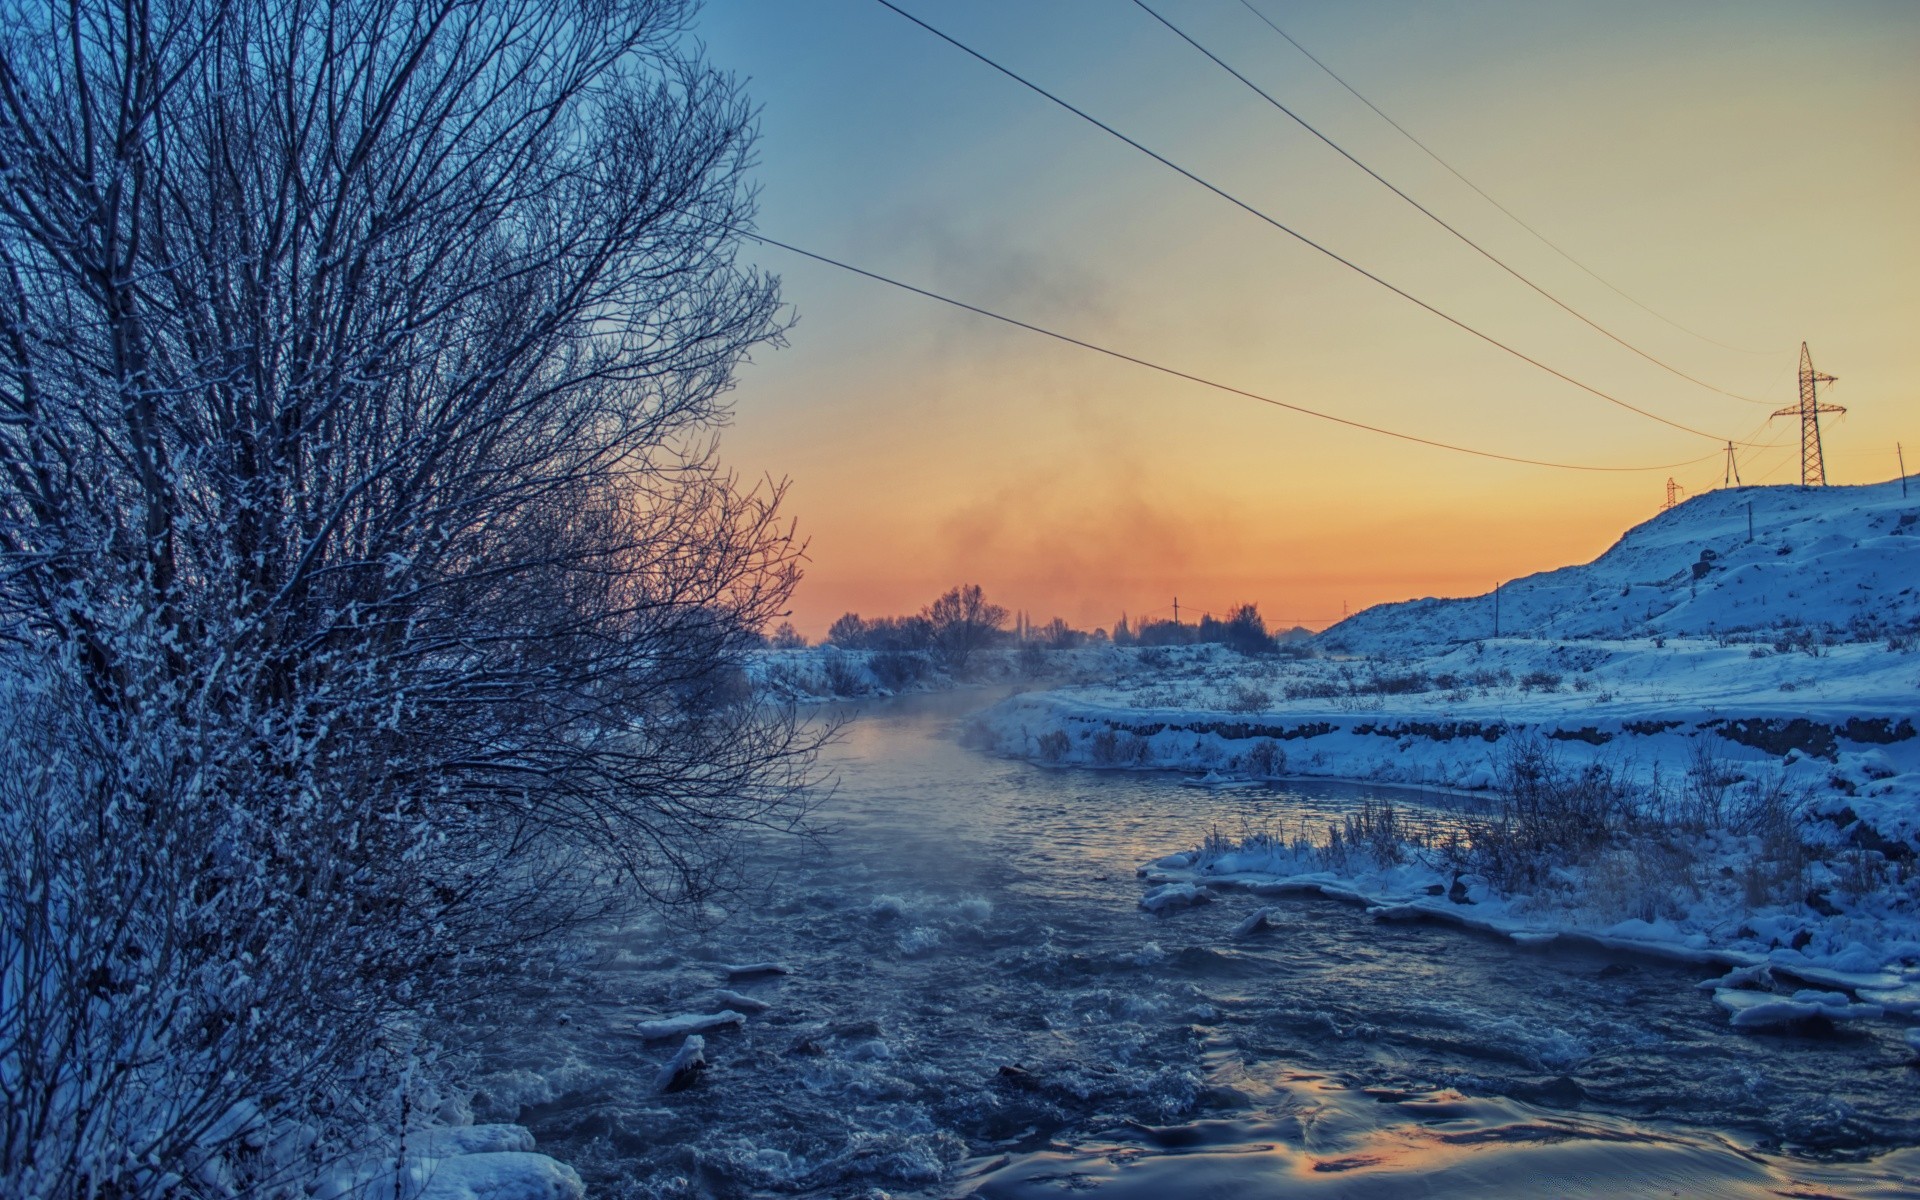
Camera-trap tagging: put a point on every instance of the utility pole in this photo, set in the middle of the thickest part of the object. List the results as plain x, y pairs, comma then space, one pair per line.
1749, 520
1902, 455
1813, 472
1176, 610
1496, 608
1733, 469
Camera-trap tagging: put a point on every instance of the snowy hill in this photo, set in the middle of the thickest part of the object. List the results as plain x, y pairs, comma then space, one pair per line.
1730, 684
1842, 563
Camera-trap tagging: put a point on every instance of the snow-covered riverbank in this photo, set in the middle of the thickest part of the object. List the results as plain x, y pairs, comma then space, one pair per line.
1776, 964
1718, 681
1839, 725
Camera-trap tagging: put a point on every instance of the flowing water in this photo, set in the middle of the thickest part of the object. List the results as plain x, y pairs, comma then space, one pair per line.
976, 1006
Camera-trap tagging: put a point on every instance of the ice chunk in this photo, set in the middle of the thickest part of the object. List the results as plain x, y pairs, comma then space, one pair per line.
1173, 895
740, 1001
501, 1175
1476, 780
683, 1070
1257, 921
1753, 975
1904, 999
1767, 1010
685, 1023
1213, 779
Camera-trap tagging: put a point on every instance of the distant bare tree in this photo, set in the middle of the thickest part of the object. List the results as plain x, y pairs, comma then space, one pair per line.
371, 585
1246, 630
848, 631
962, 622
1058, 635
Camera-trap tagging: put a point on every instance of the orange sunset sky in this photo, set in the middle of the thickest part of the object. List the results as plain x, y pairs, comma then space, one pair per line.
1750, 171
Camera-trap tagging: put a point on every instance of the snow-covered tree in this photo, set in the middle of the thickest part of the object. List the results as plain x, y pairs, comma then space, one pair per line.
374, 600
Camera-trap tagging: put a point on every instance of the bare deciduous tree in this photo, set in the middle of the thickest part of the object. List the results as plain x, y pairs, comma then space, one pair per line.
962, 622
373, 592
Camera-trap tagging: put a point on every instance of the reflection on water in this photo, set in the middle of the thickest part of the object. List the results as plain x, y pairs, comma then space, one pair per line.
978, 1007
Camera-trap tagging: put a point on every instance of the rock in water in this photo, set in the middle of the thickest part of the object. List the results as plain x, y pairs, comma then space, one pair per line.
684, 1068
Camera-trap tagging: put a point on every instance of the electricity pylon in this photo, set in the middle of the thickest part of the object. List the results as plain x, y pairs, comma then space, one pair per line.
1812, 470
1673, 494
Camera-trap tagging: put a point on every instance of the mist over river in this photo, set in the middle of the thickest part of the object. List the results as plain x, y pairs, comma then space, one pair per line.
977, 1006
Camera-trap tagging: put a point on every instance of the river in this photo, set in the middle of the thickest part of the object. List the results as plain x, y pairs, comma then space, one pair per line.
976, 1006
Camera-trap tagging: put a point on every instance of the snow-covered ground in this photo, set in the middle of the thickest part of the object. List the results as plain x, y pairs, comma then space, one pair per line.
1690, 663
1840, 725
1839, 562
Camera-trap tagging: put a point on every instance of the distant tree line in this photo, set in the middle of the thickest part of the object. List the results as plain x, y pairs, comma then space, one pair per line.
1243, 630
961, 621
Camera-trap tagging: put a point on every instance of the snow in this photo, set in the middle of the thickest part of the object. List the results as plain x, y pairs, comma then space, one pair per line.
1765, 1010
1635, 703
1255, 922
469, 1139
1820, 558
474, 1162
1760, 656
1692, 665
683, 1069
686, 1023
1170, 896
501, 1175
1903, 999
1417, 891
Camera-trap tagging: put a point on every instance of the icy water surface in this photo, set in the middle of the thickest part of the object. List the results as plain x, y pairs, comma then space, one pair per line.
977, 1007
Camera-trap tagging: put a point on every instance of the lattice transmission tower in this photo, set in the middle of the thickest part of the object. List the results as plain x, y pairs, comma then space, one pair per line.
1813, 471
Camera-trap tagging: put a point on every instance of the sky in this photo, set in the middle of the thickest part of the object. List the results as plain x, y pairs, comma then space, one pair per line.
1748, 171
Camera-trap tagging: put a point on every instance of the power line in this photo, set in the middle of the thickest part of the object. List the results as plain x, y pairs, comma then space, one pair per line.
1199, 379
1550, 244
1435, 217
1293, 233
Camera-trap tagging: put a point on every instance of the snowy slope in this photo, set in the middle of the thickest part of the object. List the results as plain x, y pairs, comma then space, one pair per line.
1843, 562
